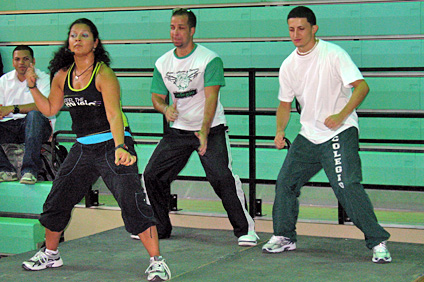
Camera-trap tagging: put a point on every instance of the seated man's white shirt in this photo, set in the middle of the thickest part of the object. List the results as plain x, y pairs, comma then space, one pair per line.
15, 92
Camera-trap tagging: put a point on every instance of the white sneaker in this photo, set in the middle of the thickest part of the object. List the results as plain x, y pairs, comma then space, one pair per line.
41, 260
8, 176
158, 270
248, 240
381, 254
28, 178
278, 244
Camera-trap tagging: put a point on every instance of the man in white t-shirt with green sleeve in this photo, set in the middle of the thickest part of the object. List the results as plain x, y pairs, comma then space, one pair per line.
192, 75
321, 76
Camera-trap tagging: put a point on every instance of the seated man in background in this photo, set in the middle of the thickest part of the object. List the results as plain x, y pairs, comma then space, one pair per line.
20, 120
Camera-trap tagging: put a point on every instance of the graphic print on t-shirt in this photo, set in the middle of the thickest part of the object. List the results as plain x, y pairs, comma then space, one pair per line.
79, 101
182, 80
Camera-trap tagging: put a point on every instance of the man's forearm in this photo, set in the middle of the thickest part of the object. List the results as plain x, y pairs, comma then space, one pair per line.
283, 116
359, 93
26, 108
209, 113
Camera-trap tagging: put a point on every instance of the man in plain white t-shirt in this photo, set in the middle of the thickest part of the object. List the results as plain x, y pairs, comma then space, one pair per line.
321, 76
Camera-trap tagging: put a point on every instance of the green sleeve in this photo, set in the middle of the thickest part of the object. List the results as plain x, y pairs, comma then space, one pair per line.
214, 73
158, 86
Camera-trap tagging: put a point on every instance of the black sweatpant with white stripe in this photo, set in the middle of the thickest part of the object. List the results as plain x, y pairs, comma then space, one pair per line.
170, 157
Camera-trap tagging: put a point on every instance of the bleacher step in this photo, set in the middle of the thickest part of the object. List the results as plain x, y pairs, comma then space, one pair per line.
22, 198
20, 205
19, 235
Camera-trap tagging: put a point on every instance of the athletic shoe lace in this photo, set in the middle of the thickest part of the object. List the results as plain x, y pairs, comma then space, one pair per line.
277, 239
40, 256
380, 248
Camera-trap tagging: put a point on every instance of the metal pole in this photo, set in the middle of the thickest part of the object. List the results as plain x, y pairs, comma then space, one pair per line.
252, 143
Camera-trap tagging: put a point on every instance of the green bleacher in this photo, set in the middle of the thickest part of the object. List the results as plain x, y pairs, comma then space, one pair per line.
357, 27
20, 206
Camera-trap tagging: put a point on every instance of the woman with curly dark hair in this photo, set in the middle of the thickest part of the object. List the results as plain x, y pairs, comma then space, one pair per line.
64, 57
84, 82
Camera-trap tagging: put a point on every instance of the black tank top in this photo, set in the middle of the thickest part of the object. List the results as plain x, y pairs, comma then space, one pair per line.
86, 106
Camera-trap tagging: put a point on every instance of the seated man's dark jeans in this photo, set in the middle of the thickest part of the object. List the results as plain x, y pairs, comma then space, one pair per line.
33, 130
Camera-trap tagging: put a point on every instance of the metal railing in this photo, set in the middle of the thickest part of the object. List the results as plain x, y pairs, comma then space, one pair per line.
252, 139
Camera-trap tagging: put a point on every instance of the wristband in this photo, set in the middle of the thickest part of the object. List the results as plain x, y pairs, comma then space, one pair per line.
123, 146
164, 111
35, 85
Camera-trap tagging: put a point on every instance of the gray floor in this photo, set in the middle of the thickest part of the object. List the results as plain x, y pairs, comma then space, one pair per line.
213, 255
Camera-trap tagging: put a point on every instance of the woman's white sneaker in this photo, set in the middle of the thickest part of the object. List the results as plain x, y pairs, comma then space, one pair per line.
42, 260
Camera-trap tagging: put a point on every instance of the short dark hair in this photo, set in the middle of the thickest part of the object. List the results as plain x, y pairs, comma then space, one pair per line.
22, 48
303, 12
186, 12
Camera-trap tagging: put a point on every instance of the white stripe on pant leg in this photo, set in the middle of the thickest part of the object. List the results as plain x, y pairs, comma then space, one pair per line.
239, 189
143, 186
